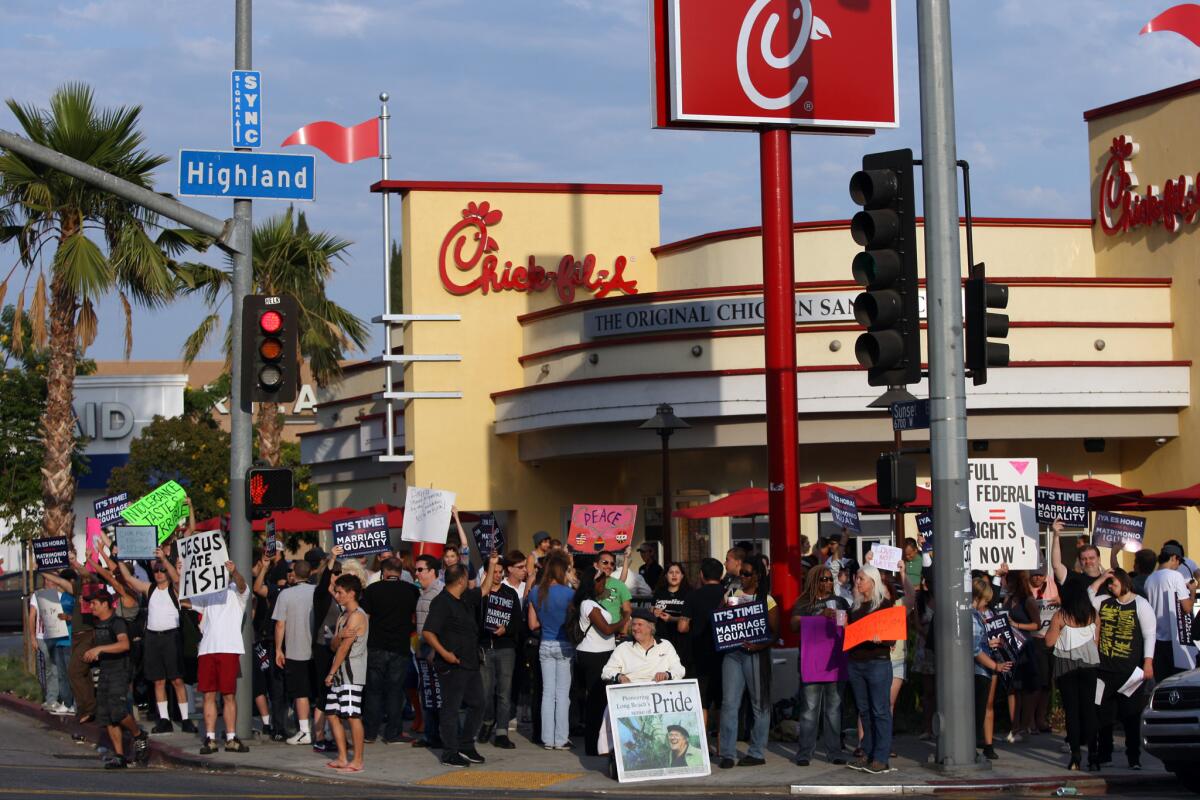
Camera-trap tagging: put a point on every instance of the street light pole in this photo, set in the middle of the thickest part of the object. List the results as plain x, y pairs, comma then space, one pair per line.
664, 423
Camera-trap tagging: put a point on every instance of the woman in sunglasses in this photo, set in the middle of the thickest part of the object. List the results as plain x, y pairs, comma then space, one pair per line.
822, 699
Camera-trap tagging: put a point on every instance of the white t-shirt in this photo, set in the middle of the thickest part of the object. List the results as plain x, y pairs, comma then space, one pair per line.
41, 632
594, 641
1164, 588
221, 620
161, 613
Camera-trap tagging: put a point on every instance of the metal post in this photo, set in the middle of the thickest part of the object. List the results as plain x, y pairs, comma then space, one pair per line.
666, 495
240, 423
384, 158
898, 512
779, 343
955, 723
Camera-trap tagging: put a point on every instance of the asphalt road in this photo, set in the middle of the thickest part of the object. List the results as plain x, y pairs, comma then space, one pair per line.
40, 763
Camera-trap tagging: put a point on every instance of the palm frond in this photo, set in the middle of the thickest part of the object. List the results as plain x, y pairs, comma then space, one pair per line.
18, 329
128, 309
82, 266
37, 312
199, 337
86, 325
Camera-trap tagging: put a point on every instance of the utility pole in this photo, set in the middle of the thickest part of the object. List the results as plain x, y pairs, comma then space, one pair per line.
240, 423
955, 722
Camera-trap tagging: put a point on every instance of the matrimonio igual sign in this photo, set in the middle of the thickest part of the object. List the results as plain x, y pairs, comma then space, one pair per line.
1121, 208
821, 64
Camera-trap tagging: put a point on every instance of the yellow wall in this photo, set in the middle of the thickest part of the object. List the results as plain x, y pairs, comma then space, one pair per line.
1166, 133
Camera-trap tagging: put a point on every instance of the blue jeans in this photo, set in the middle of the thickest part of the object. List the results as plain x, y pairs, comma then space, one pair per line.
823, 708
62, 656
497, 672
50, 688
872, 684
384, 692
555, 660
739, 673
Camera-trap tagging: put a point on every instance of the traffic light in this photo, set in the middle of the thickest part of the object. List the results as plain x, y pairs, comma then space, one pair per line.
982, 325
268, 489
895, 480
270, 349
889, 308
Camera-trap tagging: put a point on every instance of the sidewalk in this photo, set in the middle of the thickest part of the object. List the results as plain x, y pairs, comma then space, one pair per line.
1034, 766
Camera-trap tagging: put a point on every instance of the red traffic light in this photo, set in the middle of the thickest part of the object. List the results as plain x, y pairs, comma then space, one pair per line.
270, 321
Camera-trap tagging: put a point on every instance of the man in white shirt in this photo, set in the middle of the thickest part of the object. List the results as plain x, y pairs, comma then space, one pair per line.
1170, 595
643, 658
219, 665
293, 645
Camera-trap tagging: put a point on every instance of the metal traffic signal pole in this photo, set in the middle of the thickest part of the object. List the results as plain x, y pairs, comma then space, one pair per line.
955, 722
240, 424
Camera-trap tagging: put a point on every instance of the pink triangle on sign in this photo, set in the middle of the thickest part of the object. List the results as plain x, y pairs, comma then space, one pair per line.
1019, 466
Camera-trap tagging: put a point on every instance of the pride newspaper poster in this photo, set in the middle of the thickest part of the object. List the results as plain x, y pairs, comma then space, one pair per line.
1003, 513
657, 731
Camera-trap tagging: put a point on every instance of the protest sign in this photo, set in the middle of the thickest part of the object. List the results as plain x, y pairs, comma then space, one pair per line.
426, 515
1183, 623
1119, 530
431, 687
51, 553
49, 607
595, 528
1000, 626
271, 544
737, 625
489, 536
657, 730
108, 509
925, 531
844, 509
93, 544
822, 659
1003, 516
498, 612
888, 624
1066, 504
204, 556
886, 557
162, 508
136, 542
363, 536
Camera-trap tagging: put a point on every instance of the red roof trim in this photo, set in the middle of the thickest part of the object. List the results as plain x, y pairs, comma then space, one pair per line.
404, 187
757, 330
808, 368
809, 286
844, 224
1142, 100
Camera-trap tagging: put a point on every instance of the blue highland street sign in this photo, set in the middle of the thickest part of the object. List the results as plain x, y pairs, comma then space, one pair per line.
245, 95
246, 176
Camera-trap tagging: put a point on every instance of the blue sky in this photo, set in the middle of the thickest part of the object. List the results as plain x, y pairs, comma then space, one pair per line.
558, 90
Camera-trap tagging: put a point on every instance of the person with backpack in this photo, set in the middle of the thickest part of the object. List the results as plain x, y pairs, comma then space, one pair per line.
593, 632
110, 653
162, 650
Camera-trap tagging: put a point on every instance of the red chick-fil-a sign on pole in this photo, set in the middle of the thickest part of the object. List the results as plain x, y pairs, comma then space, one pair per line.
801, 63
773, 67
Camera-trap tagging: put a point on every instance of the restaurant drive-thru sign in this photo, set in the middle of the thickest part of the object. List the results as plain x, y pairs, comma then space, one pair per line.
806, 63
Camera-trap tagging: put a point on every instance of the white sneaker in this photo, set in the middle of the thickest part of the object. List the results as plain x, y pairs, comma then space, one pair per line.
1013, 738
300, 737
61, 709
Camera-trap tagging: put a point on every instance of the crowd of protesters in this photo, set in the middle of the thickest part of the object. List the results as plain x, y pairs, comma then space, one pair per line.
348, 651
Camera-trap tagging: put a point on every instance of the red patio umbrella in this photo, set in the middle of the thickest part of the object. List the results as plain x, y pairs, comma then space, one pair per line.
868, 500
1102, 495
748, 502
1164, 501
294, 520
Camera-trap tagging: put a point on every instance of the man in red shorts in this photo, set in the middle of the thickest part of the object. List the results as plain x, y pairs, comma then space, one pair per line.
221, 649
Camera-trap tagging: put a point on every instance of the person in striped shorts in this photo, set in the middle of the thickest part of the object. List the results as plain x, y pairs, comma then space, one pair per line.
347, 673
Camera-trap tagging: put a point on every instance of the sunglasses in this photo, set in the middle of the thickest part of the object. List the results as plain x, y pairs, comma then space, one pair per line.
748, 574
422, 569
606, 563
826, 579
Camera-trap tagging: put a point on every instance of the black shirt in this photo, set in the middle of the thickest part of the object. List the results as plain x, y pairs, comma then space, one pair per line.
673, 603
391, 603
502, 607
651, 573
1085, 581
107, 632
455, 622
698, 607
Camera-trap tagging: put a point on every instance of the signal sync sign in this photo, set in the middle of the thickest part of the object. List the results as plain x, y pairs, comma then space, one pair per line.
245, 96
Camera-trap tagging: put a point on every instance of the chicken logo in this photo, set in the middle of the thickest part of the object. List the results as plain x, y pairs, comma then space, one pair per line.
811, 28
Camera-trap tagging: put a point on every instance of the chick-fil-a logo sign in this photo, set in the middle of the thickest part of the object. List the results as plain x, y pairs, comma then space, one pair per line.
1122, 209
805, 62
467, 262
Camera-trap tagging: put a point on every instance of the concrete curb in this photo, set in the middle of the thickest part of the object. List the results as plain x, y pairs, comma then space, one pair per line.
162, 754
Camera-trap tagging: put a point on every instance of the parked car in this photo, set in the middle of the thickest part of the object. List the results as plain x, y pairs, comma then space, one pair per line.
1171, 727
12, 585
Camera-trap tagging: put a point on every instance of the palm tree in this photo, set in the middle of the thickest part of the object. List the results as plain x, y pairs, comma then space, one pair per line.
48, 212
289, 259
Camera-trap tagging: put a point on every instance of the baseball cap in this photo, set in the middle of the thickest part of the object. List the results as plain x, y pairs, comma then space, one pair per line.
540, 537
314, 556
643, 614
1172, 549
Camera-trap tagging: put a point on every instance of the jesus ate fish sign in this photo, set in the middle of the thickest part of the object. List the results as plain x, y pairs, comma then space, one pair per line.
1003, 514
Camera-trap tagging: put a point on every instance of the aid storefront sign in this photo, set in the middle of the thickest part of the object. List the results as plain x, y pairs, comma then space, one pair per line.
807, 63
1122, 209
470, 261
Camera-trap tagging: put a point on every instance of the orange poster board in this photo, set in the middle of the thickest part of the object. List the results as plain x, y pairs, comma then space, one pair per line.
888, 624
